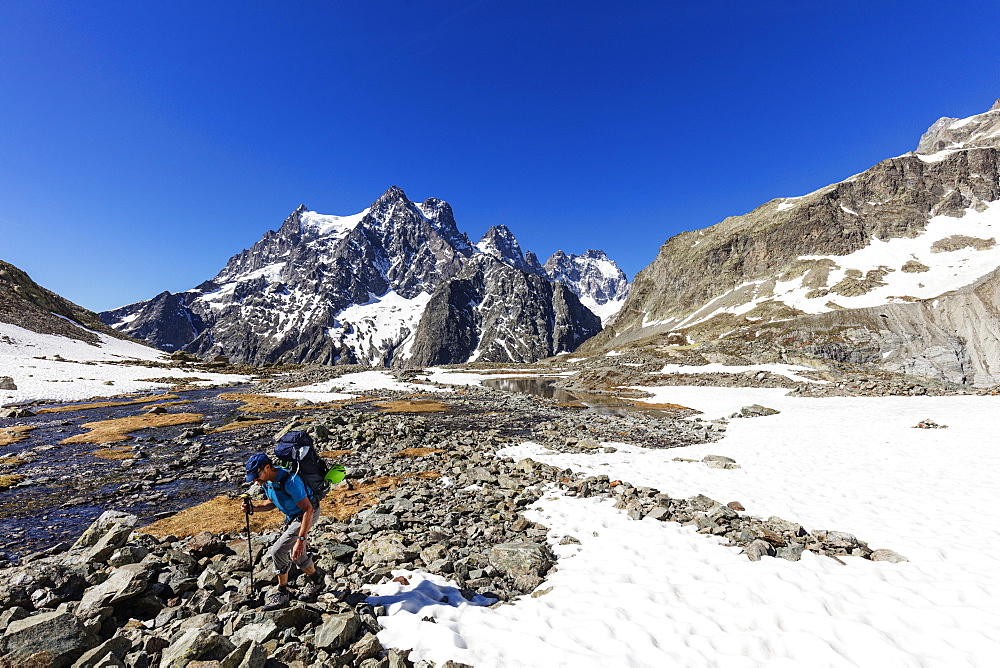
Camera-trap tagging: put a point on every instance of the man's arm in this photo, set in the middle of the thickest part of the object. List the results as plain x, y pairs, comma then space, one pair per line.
262, 508
306, 506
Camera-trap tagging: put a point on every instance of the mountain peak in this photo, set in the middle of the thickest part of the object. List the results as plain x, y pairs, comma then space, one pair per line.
949, 134
394, 193
500, 242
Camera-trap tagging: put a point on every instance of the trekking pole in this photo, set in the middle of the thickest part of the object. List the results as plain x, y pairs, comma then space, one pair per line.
248, 510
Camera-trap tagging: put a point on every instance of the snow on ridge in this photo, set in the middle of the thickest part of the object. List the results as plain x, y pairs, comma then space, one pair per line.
604, 311
271, 272
946, 271
385, 322
336, 227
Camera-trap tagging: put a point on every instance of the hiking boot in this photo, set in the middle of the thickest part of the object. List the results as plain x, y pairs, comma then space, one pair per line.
277, 599
309, 592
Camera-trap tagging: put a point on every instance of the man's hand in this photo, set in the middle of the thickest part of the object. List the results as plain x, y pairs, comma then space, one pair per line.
247, 506
298, 549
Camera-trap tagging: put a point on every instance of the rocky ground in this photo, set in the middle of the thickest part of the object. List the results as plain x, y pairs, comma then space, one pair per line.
425, 491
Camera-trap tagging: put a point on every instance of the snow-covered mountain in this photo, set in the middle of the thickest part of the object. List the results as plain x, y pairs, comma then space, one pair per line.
896, 266
601, 285
359, 288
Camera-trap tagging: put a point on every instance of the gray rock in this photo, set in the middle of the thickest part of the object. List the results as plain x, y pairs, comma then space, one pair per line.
193, 645
125, 582
337, 630
757, 549
248, 655
755, 410
45, 639
7, 383
389, 549
366, 648
102, 538
791, 552
520, 559
258, 633
887, 555
117, 647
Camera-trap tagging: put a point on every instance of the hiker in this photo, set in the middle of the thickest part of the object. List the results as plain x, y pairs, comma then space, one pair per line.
286, 492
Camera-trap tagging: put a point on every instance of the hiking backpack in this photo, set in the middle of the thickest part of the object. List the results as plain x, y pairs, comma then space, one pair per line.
295, 452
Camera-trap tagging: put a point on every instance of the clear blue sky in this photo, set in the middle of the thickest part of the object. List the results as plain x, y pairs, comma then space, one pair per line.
144, 143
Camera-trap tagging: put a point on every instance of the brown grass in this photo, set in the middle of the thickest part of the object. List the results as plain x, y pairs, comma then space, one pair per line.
219, 515
662, 407
9, 480
224, 514
335, 453
259, 403
241, 424
412, 406
417, 452
351, 497
118, 452
11, 435
107, 404
8, 463
113, 431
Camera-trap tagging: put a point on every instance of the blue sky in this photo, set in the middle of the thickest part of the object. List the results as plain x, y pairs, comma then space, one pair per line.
144, 143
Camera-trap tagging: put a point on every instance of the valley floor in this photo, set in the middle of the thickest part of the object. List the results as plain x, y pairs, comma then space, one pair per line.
650, 593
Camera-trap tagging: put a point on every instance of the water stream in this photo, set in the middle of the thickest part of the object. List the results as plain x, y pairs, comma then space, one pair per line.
67, 486
602, 404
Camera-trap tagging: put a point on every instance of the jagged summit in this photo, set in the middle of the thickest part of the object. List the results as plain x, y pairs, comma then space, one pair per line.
951, 134
500, 242
373, 288
602, 286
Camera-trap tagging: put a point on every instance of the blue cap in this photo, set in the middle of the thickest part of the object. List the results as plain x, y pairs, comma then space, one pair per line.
255, 464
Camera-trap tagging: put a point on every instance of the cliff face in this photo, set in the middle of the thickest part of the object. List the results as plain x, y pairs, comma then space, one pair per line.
493, 312
908, 230
356, 289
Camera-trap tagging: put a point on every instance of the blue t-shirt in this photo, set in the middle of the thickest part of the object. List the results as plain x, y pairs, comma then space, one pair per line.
286, 492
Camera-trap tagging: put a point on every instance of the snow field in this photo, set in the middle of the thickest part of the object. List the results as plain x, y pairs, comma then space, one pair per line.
651, 594
84, 369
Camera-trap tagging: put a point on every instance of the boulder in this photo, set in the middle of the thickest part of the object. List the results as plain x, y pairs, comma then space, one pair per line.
7, 383
108, 533
385, 550
337, 630
125, 582
258, 633
98, 657
193, 645
754, 410
757, 549
521, 560
887, 555
45, 639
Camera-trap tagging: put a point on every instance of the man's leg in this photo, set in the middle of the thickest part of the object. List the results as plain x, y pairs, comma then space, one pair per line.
281, 551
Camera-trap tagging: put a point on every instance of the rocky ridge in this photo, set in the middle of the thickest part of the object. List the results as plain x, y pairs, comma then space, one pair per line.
788, 271
26, 304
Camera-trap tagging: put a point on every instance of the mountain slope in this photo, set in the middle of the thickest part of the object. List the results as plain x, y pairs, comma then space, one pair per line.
908, 230
26, 304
